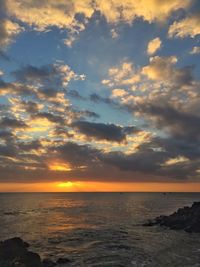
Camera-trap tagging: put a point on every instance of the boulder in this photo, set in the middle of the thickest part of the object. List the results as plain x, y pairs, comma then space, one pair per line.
63, 261
186, 218
12, 248
48, 263
14, 253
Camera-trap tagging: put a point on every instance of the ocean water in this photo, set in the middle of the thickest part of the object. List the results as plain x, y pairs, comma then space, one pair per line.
100, 229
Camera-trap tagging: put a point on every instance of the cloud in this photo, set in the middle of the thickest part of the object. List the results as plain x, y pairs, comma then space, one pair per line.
125, 75
31, 145
65, 15
77, 155
58, 74
8, 29
162, 69
98, 99
75, 94
195, 50
153, 46
12, 123
30, 107
118, 93
49, 116
188, 27
145, 161
43, 15
6, 135
114, 33
176, 160
8, 151
180, 124
150, 10
101, 131
166, 99
90, 114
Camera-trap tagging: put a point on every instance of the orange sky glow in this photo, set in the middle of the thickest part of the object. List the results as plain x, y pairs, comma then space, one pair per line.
69, 186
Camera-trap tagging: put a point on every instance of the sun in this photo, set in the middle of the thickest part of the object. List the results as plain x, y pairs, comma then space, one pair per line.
65, 184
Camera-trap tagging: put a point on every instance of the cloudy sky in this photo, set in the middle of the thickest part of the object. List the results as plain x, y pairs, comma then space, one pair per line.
99, 95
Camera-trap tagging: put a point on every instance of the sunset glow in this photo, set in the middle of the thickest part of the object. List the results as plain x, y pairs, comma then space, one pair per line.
100, 187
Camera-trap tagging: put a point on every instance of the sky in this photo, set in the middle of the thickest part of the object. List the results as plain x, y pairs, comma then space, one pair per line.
99, 95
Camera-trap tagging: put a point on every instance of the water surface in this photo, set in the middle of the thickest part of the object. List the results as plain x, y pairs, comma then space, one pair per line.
100, 229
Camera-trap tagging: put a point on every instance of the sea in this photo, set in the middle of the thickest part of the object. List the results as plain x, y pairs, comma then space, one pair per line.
100, 229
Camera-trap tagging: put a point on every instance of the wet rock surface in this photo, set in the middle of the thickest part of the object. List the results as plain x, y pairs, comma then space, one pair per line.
14, 253
186, 218
63, 260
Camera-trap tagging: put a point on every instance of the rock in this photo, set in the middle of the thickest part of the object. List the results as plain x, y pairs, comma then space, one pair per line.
48, 263
186, 218
12, 248
31, 259
63, 261
14, 253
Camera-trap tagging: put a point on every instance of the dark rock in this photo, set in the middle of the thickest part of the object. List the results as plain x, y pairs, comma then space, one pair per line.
63, 260
14, 253
186, 218
48, 263
31, 259
12, 248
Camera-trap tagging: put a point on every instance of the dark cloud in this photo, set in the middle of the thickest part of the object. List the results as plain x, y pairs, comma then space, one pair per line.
78, 155
75, 94
6, 135
48, 92
32, 73
3, 11
91, 114
62, 131
101, 131
8, 150
49, 116
3, 85
12, 123
177, 146
184, 76
75, 114
32, 145
30, 107
97, 99
146, 159
178, 123
16, 89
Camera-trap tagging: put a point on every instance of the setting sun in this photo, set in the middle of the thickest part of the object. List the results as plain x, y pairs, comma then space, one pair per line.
65, 184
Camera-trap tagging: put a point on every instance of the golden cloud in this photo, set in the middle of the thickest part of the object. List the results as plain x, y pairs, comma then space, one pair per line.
10, 29
195, 50
189, 26
160, 67
62, 14
116, 11
153, 46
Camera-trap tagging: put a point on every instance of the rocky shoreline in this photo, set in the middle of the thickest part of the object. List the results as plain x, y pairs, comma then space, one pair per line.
14, 253
186, 218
